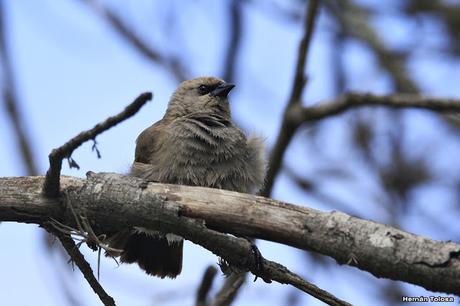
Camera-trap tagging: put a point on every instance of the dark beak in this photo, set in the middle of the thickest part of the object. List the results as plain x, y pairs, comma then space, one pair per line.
222, 90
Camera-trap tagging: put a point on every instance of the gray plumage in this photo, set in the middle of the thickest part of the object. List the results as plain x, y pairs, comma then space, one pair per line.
197, 144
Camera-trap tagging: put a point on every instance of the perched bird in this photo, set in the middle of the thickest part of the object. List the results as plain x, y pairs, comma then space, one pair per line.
196, 144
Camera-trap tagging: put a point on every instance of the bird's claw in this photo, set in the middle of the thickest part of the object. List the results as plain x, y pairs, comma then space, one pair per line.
258, 259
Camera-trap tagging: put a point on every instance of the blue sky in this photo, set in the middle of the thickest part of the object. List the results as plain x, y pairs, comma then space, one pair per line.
72, 71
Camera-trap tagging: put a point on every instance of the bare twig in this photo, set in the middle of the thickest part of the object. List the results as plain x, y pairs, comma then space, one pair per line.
51, 186
288, 129
205, 286
11, 102
300, 114
173, 64
78, 258
284, 276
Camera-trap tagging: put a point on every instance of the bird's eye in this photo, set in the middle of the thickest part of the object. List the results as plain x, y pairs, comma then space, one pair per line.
204, 89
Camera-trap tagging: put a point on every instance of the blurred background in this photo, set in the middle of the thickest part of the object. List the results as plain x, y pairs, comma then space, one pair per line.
67, 65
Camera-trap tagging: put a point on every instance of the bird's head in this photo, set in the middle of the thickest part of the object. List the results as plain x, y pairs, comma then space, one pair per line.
204, 94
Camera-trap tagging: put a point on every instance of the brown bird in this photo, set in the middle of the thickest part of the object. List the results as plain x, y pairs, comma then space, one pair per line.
196, 144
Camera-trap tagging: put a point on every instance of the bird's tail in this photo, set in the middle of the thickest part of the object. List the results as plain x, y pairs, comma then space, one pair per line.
157, 253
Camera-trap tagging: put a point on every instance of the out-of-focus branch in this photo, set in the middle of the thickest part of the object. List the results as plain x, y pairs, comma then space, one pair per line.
300, 114
172, 63
235, 27
11, 103
304, 48
51, 186
205, 286
288, 129
444, 13
354, 21
229, 290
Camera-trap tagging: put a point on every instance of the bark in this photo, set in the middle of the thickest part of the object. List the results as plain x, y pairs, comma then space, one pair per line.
112, 201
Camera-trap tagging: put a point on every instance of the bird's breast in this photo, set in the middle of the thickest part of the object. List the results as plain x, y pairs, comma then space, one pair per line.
206, 156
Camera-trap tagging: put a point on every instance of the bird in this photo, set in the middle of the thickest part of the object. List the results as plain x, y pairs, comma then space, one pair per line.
196, 143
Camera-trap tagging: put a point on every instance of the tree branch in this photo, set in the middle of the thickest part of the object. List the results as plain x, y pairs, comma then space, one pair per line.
377, 248
78, 258
301, 114
51, 185
288, 129
102, 200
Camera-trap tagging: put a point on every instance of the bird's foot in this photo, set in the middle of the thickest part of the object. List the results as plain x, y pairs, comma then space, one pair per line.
258, 260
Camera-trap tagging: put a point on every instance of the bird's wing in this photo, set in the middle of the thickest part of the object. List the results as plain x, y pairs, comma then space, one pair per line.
146, 155
257, 162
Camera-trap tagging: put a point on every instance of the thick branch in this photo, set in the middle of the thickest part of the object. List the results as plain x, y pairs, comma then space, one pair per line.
355, 22
51, 185
103, 198
302, 114
377, 248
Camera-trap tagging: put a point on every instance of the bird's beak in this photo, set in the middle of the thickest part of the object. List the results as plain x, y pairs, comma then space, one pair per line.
222, 90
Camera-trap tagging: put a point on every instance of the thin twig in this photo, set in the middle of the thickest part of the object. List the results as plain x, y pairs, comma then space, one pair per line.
78, 258
282, 275
288, 129
205, 286
51, 187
